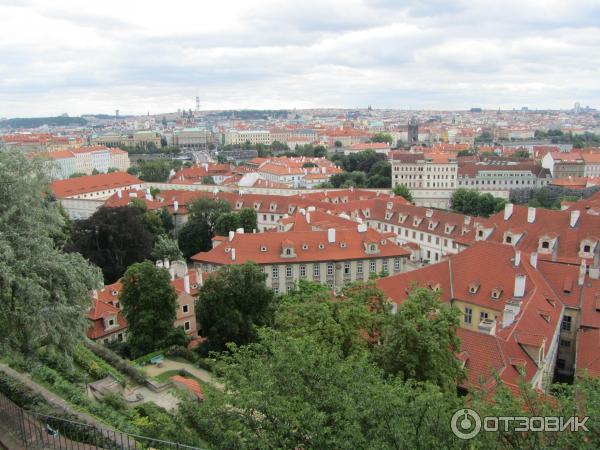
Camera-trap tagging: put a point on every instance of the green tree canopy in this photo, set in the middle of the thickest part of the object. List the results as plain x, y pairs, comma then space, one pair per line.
44, 292
382, 137
196, 235
467, 201
113, 239
248, 219
402, 190
166, 248
149, 306
420, 343
227, 222
232, 305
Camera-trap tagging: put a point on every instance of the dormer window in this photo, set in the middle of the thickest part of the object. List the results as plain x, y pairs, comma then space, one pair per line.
273, 206
496, 293
545, 244
304, 246
321, 246
114, 293
402, 218
372, 247
474, 287
238, 205
586, 249
388, 215
342, 245
449, 228
195, 286
263, 248
508, 239
432, 225
288, 252
390, 205
417, 221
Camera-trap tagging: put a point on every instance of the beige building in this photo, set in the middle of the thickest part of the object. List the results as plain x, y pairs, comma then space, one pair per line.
333, 257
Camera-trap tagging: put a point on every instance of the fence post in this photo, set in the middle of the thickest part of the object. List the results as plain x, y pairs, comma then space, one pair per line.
21, 425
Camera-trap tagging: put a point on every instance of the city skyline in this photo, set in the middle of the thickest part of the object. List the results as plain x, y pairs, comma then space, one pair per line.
411, 55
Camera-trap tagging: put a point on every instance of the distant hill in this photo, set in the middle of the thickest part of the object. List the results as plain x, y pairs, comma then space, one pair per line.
35, 122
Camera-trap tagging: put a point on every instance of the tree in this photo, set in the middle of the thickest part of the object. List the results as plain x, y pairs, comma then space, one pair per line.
77, 175
248, 219
154, 170
208, 180
420, 343
113, 239
402, 190
112, 170
95, 171
196, 235
166, 219
166, 248
227, 222
232, 305
149, 306
471, 202
338, 144
382, 137
293, 392
44, 291
521, 154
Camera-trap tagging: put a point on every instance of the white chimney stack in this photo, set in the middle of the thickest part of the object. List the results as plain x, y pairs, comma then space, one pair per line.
166, 263
186, 283
530, 214
307, 217
533, 259
159, 263
582, 272
240, 231
175, 206
520, 285
574, 218
331, 235
199, 280
362, 228
231, 235
233, 254
508, 210
148, 196
119, 193
517, 258
172, 272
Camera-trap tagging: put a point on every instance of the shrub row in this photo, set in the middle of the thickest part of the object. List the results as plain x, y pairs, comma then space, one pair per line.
116, 361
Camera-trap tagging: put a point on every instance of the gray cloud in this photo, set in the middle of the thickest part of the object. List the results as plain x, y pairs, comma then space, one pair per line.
402, 54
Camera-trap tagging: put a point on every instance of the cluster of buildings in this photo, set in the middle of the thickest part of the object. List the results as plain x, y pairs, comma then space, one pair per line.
526, 279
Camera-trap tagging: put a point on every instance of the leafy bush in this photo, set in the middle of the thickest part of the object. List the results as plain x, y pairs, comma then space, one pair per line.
93, 365
19, 393
117, 362
183, 352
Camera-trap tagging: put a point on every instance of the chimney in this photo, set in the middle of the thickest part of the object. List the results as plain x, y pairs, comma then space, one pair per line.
175, 206
511, 310
530, 214
186, 283
166, 263
199, 280
520, 285
307, 217
362, 227
159, 263
533, 259
517, 258
148, 195
119, 193
231, 235
172, 273
331, 235
582, 272
574, 218
508, 210
233, 254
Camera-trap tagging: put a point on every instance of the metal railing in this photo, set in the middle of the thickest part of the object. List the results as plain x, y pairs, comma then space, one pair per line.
38, 431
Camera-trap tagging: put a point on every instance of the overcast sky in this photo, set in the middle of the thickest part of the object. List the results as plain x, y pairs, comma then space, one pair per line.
96, 56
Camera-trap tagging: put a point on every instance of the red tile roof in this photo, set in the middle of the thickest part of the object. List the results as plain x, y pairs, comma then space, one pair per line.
92, 183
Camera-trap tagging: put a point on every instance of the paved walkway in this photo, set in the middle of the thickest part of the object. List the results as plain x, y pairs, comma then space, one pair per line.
169, 364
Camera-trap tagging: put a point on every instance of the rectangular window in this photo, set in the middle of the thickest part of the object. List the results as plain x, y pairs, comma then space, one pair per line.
560, 363
385, 265
302, 271
372, 266
483, 315
185, 308
359, 268
288, 271
186, 326
397, 264
289, 288
346, 268
468, 315
275, 272
329, 269
316, 270
566, 323
565, 343
276, 289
